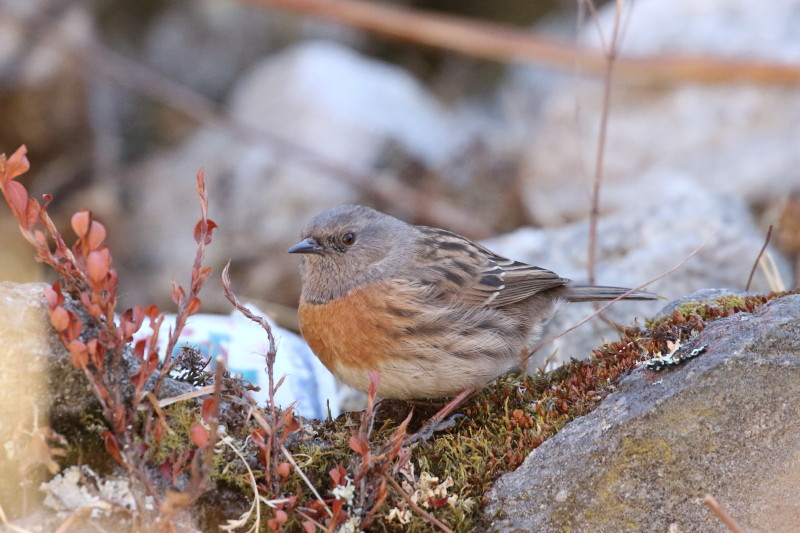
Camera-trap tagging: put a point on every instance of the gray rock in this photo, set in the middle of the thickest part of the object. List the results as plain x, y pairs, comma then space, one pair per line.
723, 424
38, 375
640, 244
739, 139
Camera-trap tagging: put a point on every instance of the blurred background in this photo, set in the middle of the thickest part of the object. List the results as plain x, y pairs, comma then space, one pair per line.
120, 103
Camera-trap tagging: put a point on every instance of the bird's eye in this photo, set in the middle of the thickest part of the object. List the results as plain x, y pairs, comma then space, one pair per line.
348, 238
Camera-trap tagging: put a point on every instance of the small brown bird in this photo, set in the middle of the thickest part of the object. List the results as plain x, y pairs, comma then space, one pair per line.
433, 312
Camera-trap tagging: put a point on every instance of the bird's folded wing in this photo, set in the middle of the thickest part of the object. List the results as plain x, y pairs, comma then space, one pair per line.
505, 281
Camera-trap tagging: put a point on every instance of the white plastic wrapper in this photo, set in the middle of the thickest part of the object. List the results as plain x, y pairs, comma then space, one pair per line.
243, 344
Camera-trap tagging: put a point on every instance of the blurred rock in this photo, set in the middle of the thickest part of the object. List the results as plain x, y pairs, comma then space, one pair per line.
738, 139
641, 243
208, 44
34, 360
342, 110
643, 460
42, 87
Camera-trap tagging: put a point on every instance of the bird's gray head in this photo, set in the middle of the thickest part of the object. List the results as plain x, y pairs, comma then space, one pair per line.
348, 246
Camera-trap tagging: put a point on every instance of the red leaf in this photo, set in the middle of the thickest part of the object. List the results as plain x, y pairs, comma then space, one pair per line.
32, 212
80, 223
112, 446
257, 435
199, 435
75, 326
97, 352
309, 526
358, 445
159, 430
59, 318
79, 353
98, 263
53, 295
17, 164
280, 518
193, 306
204, 228
178, 293
207, 411
97, 234
138, 349
437, 502
165, 469
152, 312
41, 240
198, 231
18, 197
137, 317
338, 475
284, 469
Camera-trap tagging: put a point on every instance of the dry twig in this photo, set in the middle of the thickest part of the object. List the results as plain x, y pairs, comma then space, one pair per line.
726, 519
683, 261
758, 258
503, 43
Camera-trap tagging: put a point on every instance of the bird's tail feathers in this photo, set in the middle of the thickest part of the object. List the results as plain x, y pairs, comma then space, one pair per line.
595, 293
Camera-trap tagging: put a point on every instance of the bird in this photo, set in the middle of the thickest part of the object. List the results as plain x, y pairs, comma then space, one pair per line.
433, 313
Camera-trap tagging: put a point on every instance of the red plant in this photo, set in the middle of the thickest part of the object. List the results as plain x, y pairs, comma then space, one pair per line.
88, 278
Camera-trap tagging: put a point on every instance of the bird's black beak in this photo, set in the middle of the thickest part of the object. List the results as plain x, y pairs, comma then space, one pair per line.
306, 246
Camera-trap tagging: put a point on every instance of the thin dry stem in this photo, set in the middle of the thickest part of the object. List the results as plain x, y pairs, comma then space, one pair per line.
726, 519
509, 44
289, 457
758, 258
611, 53
199, 276
683, 261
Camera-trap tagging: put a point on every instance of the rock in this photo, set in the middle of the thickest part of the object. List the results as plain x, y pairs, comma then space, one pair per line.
32, 354
738, 139
333, 104
721, 424
43, 93
37, 385
701, 296
637, 245
225, 39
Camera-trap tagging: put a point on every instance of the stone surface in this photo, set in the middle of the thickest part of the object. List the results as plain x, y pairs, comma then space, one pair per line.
738, 139
37, 371
723, 424
637, 245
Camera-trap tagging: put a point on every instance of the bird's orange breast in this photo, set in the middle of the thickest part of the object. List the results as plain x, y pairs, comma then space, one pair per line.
358, 331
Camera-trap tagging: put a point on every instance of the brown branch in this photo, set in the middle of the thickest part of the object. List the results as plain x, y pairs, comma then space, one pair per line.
508, 44
611, 53
726, 519
758, 258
